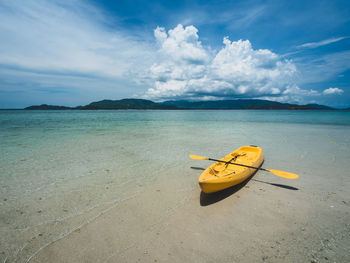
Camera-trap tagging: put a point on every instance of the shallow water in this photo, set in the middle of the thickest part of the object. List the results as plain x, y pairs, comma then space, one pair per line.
61, 169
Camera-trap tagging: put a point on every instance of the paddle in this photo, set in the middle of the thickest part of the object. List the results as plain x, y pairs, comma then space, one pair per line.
275, 172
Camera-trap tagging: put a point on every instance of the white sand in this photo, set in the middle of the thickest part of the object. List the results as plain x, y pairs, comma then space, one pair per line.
255, 223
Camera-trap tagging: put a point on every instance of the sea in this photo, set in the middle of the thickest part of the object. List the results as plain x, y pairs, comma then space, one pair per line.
59, 170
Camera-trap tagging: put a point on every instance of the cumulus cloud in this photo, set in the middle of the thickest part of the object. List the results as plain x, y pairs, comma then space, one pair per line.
333, 91
302, 96
188, 70
181, 44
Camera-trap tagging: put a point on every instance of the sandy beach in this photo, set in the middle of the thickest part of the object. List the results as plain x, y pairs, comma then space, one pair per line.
131, 194
267, 219
263, 220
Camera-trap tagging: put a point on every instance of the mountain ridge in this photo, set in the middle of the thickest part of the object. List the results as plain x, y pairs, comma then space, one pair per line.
142, 104
244, 104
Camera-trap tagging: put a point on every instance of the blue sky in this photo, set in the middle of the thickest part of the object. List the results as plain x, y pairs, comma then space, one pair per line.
78, 51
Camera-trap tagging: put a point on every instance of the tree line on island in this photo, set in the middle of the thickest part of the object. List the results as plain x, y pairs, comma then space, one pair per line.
141, 104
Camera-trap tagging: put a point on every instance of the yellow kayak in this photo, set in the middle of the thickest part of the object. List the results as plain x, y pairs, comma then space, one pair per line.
219, 176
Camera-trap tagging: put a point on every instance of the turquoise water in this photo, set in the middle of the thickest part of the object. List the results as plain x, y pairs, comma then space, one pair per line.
61, 169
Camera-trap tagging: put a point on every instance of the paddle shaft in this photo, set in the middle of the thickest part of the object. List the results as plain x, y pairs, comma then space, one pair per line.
257, 168
275, 172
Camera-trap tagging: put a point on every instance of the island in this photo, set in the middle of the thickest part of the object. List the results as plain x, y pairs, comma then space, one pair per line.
142, 104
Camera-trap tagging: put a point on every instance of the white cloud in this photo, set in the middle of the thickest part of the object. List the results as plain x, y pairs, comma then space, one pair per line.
187, 70
181, 44
333, 91
69, 37
297, 95
321, 43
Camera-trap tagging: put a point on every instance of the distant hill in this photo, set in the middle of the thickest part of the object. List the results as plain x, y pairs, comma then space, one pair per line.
141, 104
48, 107
126, 104
318, 106
244, 104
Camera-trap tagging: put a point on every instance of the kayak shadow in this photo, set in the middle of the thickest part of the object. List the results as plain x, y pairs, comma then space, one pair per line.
278, 185
209, 199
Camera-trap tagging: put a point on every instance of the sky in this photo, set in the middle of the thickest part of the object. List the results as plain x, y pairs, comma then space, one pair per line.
74, 52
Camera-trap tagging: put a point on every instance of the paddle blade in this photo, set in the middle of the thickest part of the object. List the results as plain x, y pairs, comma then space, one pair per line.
283, 174
197, 157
